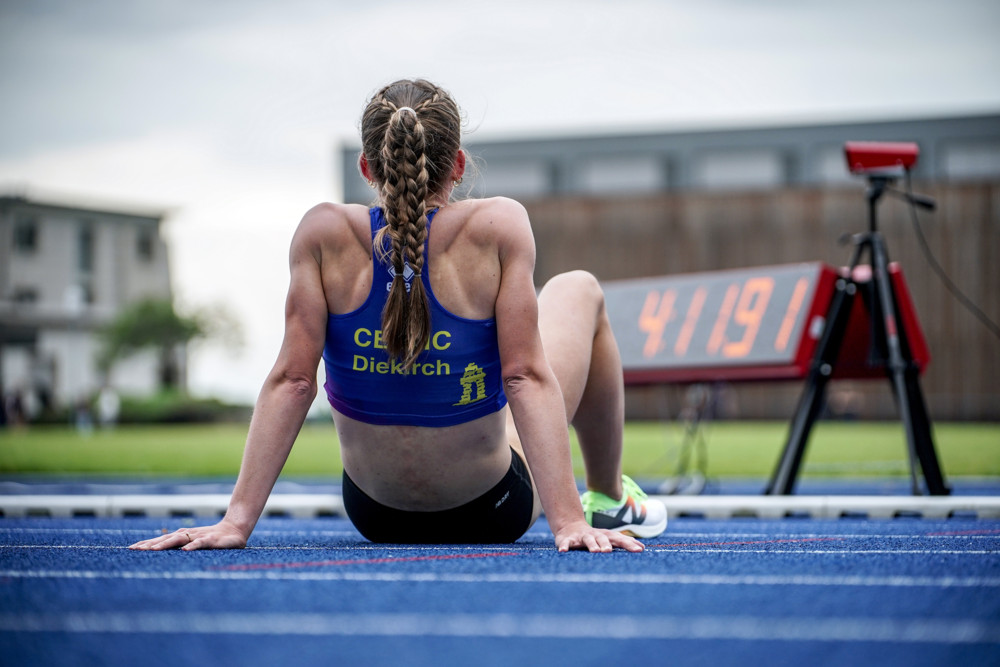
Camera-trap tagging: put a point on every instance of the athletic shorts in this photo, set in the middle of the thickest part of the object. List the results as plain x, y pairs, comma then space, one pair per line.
500, 515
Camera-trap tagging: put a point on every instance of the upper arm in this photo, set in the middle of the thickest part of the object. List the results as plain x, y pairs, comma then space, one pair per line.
305, 304
517, 306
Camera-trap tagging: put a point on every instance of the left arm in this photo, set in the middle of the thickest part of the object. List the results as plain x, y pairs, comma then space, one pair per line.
534, 395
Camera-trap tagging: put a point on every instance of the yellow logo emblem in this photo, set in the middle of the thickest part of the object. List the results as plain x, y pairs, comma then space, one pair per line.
473, 379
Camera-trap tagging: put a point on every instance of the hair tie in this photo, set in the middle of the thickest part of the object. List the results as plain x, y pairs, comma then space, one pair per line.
402, 109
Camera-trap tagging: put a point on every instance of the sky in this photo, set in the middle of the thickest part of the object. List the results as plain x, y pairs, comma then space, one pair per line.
229, 115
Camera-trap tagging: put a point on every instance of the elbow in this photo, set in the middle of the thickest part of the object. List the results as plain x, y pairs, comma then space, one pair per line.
298, 387
521, 380
534, 390
302, 388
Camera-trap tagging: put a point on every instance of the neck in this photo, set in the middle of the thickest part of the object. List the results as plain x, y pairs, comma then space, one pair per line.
438, 200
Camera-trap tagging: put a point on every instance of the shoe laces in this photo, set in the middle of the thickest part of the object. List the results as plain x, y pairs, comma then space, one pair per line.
630, 488
597, 501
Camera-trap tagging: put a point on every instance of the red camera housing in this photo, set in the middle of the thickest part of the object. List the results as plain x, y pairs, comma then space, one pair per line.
880, 157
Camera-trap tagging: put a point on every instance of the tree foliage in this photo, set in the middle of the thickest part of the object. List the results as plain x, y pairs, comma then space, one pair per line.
151, 324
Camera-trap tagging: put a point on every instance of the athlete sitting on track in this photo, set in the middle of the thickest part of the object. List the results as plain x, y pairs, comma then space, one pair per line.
425, 314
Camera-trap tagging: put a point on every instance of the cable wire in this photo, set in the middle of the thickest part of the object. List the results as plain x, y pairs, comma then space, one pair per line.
951, 286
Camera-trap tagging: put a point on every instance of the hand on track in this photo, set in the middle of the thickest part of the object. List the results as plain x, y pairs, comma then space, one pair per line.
219, 536
582, 536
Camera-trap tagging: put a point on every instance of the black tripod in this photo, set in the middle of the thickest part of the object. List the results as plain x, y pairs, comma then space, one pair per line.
890, 346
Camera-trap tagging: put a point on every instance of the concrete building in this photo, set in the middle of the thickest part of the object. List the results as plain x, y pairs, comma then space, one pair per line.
65, 271
750, 158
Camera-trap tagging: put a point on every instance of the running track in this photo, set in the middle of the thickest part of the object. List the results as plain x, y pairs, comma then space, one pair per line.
897, 592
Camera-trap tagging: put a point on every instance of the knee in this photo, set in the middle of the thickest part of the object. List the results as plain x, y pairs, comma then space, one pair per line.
579, 286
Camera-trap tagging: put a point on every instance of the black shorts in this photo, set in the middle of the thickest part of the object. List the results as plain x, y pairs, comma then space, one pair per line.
500, 515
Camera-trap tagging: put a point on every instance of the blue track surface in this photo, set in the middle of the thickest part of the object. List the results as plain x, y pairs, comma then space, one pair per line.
745, 591
26, 484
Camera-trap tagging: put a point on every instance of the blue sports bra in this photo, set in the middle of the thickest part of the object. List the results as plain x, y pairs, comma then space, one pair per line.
455, 380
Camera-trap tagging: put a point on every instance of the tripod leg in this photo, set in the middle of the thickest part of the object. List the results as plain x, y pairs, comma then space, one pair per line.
785, 474
923, 440
905, 382
898, 383
811, 401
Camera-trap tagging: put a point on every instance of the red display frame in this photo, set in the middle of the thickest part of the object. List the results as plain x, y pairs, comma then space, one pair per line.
854, 360
743, 325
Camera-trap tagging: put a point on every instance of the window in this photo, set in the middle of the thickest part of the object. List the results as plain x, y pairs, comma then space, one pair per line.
517, 177
25, 295
967, 161
25, 235
145, 246
85, 247
751, 168
830, 166
623, 174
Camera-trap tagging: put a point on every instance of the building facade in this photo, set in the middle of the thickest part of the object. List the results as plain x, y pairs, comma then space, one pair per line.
65, 271
753, 158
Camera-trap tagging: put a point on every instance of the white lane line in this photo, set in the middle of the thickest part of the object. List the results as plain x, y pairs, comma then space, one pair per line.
147, 531
486, 548
528, 626
309, 547
84, 547
361, 546
985, 534
846, 552
524, 578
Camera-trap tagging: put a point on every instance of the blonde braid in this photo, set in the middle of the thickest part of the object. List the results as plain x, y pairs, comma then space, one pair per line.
406, 318
411, 137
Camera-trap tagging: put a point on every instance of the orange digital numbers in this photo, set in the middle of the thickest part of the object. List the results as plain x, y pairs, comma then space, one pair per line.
656, 312
736, 317
739, 323
791, 315
690, 321
722, 321
749, 314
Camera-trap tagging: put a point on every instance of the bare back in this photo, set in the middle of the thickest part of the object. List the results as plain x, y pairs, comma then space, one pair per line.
411, 467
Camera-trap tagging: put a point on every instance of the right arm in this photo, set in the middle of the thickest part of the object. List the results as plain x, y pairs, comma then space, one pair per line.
281, 407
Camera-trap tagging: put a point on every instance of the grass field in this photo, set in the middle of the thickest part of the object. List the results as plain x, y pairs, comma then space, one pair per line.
734, 449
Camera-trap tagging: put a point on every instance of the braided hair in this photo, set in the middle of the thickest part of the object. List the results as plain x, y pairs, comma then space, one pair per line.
411, 136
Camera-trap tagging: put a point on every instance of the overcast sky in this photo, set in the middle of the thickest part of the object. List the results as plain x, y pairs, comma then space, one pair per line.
229, 114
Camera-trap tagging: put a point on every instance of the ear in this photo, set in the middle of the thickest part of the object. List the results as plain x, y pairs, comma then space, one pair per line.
366, 171
458, 170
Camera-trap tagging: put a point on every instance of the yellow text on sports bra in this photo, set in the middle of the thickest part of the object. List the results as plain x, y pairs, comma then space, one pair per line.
439, 340
364, 364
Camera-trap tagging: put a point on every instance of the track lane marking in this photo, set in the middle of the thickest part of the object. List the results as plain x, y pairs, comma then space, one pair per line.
847, 552
962, 534
650, 549
747, 543
519, 626
891, 581
359, 561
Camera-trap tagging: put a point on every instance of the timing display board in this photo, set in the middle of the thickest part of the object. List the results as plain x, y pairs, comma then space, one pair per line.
749, 324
